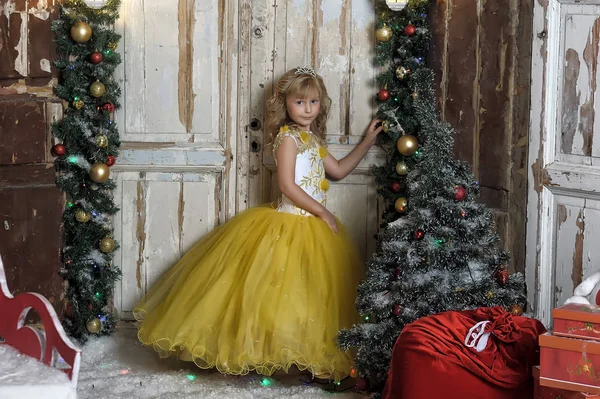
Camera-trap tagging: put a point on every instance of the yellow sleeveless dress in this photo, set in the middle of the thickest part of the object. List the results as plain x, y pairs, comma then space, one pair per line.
269, 289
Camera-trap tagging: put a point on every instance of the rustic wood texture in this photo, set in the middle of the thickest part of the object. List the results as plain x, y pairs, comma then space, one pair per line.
30, 204
30, 230
480, 54
26, 42
177, 170
22, 132
563, 172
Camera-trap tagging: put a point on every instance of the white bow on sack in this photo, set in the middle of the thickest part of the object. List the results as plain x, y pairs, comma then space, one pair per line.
586, 293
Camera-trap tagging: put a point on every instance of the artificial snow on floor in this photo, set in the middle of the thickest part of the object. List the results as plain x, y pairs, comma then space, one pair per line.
120, 367
22, 376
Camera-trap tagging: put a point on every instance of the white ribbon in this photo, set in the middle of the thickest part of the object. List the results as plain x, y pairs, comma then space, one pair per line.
477, 337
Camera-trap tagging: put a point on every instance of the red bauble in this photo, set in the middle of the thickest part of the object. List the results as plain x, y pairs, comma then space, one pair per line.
419, 234
110, 160
90, 307
396, 187
59, 150
460, 193
397, 310
398, 272
108, 107
96, 57
502, 276
409, 30
362, 384
383, 95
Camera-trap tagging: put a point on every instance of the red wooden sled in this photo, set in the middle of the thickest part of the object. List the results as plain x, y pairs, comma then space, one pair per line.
44, 345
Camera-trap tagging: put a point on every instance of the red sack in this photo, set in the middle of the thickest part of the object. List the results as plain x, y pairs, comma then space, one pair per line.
432, 358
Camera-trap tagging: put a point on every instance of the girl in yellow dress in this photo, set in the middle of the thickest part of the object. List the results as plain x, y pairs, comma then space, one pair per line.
272, 287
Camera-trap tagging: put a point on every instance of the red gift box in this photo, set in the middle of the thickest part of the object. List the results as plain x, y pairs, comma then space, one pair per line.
575, 362
555, 391
577, 321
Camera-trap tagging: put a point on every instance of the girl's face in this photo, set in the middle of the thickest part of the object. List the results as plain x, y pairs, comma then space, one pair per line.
303, 109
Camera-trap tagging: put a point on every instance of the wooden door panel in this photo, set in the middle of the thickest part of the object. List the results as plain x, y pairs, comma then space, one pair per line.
30, 230
564, 171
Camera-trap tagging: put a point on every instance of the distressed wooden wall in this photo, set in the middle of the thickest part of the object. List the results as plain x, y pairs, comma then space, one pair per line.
176, 174
30, 204
564, 158
481, 53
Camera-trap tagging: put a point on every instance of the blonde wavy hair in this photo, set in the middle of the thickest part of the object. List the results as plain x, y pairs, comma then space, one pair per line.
299, 84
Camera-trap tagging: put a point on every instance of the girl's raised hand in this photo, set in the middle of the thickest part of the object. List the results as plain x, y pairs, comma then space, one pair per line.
373, 130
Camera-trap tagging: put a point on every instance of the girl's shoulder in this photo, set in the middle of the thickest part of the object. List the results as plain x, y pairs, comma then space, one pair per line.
304, 140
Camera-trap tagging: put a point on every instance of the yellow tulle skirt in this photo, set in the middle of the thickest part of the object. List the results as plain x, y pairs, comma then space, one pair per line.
264, 291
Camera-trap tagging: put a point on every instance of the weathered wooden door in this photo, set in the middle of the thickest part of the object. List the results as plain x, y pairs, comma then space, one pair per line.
564, 173
337, 38
30, 203
176, 173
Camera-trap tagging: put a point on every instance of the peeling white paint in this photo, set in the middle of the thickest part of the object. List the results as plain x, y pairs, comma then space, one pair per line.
41, 11
362, 14
331, 11
9, 8
45, 65
21, 61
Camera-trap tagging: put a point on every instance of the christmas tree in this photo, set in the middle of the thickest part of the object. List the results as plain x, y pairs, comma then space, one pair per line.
87, 143
437, 249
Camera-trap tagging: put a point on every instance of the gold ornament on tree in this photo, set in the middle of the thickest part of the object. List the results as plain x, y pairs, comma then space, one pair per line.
385, 125
107, 245
94, 325
112, 46
384, 34
516, 310
401, 204
81, 32
402, 72
78, 104
97, 89
99, 172
102, 141
401, 168
82, 216
407, 145
396, 5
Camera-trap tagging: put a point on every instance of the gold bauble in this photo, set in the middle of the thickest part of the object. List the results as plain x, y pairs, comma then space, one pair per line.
407, 145
516, 310
97, 89
102, 141
401, 204
401, 168
401, 72
107, 245
78, 104
384, 34
82, 216
94, 326
385, 125
112, 46
99, 172
415, 95
81, 32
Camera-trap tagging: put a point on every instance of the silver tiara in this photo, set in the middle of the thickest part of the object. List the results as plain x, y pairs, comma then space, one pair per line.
306, 70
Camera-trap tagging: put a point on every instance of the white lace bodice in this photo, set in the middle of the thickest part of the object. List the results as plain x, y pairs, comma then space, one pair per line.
310, 171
